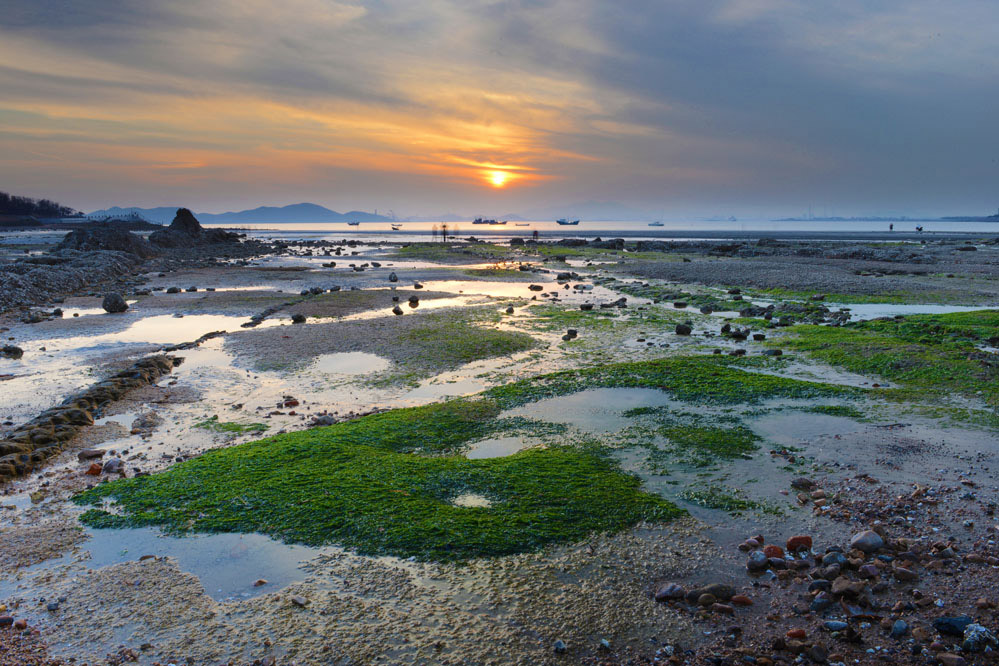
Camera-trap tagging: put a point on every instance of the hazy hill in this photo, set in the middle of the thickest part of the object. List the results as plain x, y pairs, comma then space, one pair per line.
303, 213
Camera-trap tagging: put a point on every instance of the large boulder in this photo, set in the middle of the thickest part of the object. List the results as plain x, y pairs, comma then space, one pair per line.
106, 237
114, 303
186, 231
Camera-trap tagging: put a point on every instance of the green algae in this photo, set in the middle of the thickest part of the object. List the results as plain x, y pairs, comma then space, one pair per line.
926, 354
707, 379
358, 484
721, 498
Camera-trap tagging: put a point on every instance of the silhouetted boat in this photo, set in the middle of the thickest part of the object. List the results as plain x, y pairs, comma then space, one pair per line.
656, 224
354, 224
396, 227
484, 220
567, 223
521, 224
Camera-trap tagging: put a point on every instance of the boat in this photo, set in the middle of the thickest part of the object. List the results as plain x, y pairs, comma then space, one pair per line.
484, 220
396, 227
657, 223
564, 222
354, 224
521, 224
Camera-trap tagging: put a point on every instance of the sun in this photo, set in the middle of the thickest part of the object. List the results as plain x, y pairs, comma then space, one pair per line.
498, 178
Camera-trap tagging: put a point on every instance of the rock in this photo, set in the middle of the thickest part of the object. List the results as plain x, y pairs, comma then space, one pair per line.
802, 483
723, 609
867, 541
741, 600
977, 638
52, 606
114, 303
706, 599
560, 647
259, 582
107, 237
669, 592
397, 310
757, 562
90, 454
800, 542
20, 624
298, 318
299, 601
509, 310
535, 287
94, 469
899, 629
952, 625
773, 352
10, 351
683, 329
773, 550
6, 620
834, 625
950, 659
393, 277
797, 634
113, 466
586, 307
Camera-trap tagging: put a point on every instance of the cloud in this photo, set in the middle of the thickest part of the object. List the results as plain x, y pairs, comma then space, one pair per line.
759, 103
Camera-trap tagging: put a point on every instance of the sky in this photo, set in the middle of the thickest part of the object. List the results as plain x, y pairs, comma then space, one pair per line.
713, 107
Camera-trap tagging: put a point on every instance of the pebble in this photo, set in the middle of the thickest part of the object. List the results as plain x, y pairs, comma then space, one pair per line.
867, 541
299, 600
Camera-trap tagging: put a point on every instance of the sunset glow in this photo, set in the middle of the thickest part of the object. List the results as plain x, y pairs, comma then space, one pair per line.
498, 178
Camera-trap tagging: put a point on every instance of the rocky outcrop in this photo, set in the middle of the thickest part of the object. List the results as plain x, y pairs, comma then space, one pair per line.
37, 279
186, 231
106, 237
29, 446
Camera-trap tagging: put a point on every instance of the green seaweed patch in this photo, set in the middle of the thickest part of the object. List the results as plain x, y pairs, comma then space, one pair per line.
720, 498
451, 252
687, 438
320, 488
450, 342
215, 425
928, 354
553, 317
709, 379
845, 411
494, 273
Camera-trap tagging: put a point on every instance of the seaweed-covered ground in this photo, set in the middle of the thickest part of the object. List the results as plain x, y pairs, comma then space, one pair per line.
606, 452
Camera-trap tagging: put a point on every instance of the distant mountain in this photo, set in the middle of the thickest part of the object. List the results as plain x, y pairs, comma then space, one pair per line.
303, 213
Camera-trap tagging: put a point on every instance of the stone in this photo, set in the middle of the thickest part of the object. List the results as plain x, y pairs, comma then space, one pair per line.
817, 654
950, 659
299, 601
741, 600
114, 303
397, 310
298, 318
757, 562
259, 582
560, 647
899, 629
903, 574
723, 609
52, 606
6, 620
11, 351
977, 638
773, 550
90, 454
867, 541
796, 543
834, 625
952, 625
94, 469
670, 591
683, 329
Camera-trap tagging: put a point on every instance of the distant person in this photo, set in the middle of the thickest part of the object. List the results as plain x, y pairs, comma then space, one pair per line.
891, 227
535, 234
919, 228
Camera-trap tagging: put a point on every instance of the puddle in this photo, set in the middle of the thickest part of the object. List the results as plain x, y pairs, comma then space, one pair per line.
791, 428
125, 420
861, 311
226, 564
350, 363
498, 447
471, 500
594, 410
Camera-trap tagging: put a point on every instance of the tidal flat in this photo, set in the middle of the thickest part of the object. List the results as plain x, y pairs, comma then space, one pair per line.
566, 452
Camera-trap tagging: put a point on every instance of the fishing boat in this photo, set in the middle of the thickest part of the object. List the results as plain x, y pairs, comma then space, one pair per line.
657, 223
396, 227
353, 224
486, 220
566, 223
521, 224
